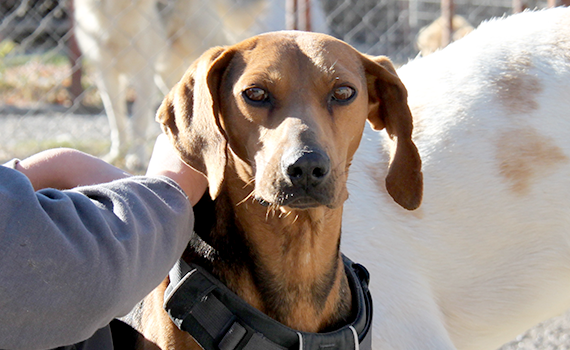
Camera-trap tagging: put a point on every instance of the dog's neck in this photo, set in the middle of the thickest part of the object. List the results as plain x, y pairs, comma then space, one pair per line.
285, 263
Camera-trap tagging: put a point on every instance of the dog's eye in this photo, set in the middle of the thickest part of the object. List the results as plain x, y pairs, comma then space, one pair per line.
343, 93
256, 94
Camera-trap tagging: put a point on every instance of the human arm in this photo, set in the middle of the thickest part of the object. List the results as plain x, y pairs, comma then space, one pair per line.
65, 168
166, 162
73, 260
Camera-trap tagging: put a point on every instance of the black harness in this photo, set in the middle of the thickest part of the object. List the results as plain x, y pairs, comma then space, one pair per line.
218, 319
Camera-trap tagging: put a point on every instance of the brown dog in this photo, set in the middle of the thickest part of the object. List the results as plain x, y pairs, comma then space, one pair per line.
273, 122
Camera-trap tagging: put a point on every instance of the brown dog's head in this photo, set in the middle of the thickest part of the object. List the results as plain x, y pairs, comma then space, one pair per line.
287, 111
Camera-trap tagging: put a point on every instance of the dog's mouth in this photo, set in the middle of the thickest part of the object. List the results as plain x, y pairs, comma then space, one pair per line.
297, 201
303, 203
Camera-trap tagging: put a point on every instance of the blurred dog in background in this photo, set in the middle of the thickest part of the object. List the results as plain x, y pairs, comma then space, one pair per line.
430, 37
143, 44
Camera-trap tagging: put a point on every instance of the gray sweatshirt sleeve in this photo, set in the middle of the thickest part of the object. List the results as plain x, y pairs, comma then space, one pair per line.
71, 261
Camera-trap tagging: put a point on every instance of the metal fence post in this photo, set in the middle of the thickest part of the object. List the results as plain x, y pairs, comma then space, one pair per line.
447, 13
291, 14
304, 15
298, 15
74, 56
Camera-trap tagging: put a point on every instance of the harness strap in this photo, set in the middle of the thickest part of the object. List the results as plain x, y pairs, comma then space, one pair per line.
218, 319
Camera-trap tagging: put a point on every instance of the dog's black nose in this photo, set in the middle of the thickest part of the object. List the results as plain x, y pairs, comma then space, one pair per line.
309, 168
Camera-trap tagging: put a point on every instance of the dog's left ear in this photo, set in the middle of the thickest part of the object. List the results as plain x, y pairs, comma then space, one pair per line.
389, 109
189, 116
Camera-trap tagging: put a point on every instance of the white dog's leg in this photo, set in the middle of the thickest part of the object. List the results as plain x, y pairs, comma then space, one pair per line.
112, 90
142, 113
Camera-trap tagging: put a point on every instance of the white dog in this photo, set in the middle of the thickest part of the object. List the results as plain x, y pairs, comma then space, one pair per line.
132, 43
193, 26
430, 37
122, 40
487, 254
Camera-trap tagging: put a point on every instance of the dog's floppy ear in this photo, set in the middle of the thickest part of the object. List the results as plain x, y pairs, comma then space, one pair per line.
389, 109
189, 116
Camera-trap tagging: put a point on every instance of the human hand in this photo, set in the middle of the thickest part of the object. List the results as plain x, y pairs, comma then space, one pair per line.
165, 161
65, 168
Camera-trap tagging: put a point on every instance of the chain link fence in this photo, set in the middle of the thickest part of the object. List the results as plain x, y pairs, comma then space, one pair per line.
45, 78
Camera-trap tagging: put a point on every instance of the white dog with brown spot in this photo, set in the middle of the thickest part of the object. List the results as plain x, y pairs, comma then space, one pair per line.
487, 255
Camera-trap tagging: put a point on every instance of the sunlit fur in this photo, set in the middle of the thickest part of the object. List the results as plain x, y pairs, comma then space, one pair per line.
487, 255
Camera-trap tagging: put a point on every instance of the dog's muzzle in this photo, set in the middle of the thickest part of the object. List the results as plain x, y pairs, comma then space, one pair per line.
306, 172
218, 319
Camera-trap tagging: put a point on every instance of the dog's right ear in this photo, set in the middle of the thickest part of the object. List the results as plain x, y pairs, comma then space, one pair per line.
189, 116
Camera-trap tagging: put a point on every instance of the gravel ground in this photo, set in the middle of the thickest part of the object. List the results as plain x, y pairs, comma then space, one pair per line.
22, 133
553, 334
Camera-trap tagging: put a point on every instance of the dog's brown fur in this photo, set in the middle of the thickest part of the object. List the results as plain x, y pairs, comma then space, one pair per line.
282, 257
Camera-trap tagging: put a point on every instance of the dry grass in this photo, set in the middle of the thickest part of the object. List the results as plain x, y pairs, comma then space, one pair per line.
31, 80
